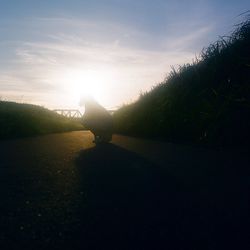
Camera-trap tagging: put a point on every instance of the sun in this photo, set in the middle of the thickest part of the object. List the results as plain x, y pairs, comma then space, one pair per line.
96, 82
84, 82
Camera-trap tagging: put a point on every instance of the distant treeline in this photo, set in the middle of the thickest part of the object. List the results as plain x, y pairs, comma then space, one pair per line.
207, 101
19, 120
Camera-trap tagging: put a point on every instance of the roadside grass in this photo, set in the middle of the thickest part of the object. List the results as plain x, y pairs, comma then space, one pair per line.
22, 120
206, 101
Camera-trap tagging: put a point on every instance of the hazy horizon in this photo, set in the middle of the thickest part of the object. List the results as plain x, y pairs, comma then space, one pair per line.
52, 52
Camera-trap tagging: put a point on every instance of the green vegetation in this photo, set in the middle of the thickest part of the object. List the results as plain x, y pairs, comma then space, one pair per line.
19, 120
207, 101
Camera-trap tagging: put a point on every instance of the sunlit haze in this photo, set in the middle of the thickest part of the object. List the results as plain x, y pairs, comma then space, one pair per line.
52, 52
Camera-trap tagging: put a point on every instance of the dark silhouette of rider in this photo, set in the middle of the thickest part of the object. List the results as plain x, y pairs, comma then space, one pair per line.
97, 119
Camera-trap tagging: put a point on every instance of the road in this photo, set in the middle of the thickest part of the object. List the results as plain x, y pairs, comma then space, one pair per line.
60, 191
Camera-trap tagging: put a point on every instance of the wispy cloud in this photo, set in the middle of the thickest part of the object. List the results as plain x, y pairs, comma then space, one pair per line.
68, 44
189, 41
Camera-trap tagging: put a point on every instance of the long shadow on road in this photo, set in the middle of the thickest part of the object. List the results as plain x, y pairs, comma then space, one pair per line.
128, 200
133, 204
107, 197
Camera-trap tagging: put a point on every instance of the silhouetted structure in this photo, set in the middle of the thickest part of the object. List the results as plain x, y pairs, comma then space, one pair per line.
71, 113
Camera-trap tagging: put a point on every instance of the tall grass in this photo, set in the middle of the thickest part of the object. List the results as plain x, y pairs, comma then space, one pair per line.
19, 120
206, 101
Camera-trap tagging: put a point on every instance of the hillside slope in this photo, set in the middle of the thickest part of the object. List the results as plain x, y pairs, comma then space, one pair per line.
18, 120
207, 101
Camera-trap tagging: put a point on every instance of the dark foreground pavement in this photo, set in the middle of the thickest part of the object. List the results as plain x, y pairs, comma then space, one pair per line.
61, 192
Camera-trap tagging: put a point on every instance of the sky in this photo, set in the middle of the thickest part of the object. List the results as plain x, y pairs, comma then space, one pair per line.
55, 51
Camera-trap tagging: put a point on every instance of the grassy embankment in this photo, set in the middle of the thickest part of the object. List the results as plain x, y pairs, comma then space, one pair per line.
21, 120
206, 101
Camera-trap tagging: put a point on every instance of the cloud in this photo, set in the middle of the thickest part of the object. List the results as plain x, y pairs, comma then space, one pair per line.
66, 45
189, 40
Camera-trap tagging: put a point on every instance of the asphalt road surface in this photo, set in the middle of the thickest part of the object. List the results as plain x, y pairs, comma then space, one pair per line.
61, 191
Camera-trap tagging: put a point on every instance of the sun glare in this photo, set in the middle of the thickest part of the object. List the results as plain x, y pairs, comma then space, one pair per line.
86, 82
